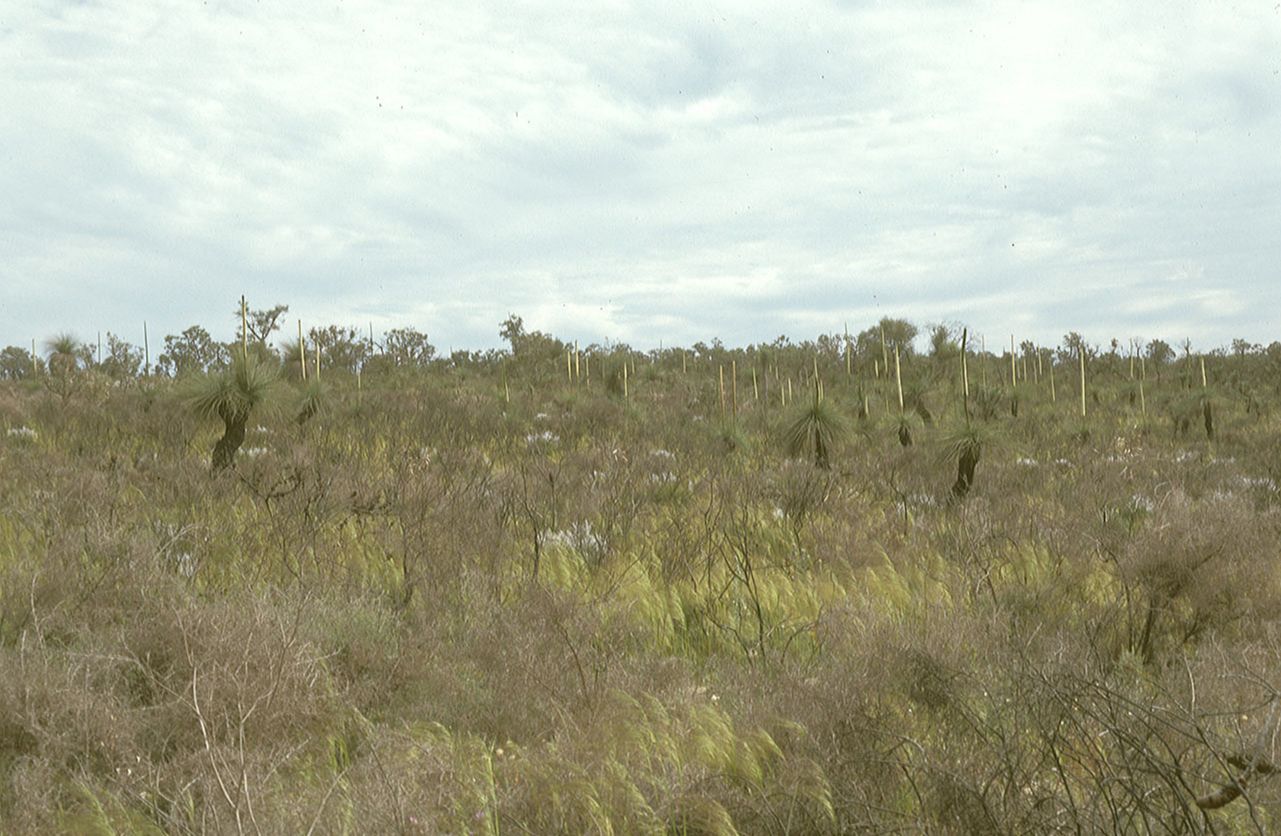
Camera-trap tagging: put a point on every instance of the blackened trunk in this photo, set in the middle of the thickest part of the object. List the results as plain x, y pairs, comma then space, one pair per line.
1208, 413
224, 452
904, 435
965, 464
821, 459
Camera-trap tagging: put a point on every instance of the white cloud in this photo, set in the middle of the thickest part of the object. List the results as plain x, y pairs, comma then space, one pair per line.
641, 173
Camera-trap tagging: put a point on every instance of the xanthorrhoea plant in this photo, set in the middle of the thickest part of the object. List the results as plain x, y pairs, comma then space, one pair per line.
232, 396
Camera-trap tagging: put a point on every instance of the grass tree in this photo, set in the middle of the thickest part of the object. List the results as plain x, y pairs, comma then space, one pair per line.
966, 447
903, 425
311, 402
816, 430
65, 353
966, 444
67, 358
1207, 408
232, 396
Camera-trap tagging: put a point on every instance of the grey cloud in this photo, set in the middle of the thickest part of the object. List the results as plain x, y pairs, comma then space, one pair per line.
727, 170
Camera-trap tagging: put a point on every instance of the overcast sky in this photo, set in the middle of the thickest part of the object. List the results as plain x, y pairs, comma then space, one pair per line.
643, 172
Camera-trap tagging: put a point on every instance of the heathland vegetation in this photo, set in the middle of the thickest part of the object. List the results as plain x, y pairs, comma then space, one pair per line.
346, 585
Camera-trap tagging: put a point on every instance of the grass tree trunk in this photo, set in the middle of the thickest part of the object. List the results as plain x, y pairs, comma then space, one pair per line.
224, 452
966, 462
822, 459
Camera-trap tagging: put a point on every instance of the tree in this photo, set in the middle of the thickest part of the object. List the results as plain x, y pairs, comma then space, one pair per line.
896, 332
262, 323
339, 347
1159, 353
1073, 346
408, 347
943, 344
192, 352
830, 345
533, 344
123, 359
1242, 347
513, 330
16, 363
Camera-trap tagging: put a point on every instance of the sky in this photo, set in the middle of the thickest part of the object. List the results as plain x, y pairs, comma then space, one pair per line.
646, 172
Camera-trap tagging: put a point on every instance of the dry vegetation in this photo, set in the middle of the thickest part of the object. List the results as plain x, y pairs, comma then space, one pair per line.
474, 596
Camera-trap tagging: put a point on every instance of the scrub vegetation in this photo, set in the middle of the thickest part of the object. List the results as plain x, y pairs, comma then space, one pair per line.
553, 590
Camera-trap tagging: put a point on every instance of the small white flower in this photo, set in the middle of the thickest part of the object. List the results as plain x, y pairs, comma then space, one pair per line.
1138, 502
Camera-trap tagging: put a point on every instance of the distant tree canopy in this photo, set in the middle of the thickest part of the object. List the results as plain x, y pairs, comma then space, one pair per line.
1160, 353
879, 341
512, 330
945, 342
17, 363
529, 345
262, 323
535, 355
1073, 346
408, 347
339, 347
191, 352
123, 360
